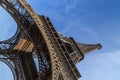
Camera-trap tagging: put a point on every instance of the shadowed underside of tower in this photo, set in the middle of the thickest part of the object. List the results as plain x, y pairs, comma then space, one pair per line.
37, 51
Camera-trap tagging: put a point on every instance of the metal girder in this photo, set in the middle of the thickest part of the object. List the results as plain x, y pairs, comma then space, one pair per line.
37, 41
10, 43
10, 64
14, 64
31, 27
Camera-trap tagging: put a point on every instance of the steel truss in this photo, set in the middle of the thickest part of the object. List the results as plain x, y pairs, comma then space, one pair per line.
30, 27
37, 51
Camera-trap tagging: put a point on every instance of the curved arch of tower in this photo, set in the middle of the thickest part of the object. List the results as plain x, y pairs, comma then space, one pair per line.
37, 51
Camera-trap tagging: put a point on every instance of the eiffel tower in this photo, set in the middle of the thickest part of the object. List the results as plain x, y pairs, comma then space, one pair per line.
37, 51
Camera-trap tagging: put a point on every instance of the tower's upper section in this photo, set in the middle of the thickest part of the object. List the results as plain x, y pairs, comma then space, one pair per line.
77, 50
85, 48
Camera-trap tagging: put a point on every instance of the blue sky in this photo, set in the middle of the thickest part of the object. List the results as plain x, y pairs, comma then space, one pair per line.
7, 25
5, 72
88, 21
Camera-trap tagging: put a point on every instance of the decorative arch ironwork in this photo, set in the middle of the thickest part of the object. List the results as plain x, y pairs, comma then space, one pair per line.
31, 27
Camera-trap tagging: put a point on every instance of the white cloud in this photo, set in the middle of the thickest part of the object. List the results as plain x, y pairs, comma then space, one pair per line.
100, 66
70, 6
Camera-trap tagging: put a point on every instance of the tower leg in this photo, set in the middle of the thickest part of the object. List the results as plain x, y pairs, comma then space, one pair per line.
28, 65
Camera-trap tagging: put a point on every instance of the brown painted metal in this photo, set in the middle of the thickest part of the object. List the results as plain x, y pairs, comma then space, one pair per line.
38, 51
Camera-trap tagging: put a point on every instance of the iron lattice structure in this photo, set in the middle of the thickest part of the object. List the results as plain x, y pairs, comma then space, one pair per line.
37, 51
